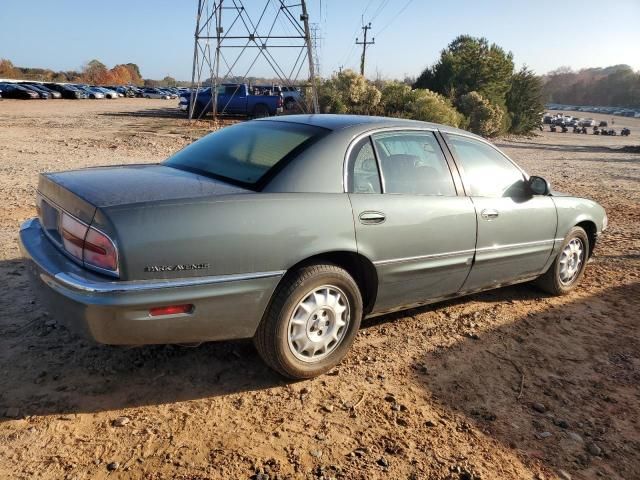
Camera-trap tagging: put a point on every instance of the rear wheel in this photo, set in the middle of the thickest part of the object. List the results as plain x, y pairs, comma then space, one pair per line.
311, 323
260, 111
568, 268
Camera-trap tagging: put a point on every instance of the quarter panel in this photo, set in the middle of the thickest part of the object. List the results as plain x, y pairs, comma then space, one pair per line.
245, 233
573, 210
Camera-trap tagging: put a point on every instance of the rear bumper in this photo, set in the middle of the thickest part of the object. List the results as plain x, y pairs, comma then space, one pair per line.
117, 312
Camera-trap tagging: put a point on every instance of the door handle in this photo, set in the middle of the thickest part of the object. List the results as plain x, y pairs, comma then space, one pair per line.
489, 213
372, 218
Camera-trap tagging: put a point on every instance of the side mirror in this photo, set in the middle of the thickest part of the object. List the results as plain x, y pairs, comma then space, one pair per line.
539, 186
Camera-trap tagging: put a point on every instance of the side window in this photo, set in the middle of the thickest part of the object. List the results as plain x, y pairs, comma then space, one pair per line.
413, 163
487, 172
363, 169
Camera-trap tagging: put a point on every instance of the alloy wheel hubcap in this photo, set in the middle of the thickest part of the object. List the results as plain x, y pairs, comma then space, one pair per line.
571, 259
318, 324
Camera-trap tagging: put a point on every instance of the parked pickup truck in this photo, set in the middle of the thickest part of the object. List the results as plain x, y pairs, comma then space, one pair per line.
234, 99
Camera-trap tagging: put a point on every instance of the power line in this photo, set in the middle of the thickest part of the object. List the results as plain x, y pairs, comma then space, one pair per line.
395, 17
382, 6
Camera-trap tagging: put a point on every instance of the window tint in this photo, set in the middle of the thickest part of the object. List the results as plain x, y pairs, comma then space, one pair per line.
413, 163
232, 89
245, 152
487, 172
363, 170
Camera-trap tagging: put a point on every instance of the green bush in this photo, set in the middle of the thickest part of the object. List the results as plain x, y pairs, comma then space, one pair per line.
348, 92
399, 100
482, 117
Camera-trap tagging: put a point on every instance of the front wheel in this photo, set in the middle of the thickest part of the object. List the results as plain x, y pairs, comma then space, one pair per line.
311, 322
567, 269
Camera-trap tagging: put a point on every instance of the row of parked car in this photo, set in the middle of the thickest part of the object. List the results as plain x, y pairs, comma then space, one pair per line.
620, 111
562, 123
625, 132
32, 90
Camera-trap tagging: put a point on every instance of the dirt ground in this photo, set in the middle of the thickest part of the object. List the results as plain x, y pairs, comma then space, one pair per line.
509, 384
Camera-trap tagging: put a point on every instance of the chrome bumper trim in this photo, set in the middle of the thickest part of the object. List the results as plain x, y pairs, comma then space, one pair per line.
76, 283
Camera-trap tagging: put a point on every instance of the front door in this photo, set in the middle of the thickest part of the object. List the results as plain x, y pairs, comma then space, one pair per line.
409, 219
516, 230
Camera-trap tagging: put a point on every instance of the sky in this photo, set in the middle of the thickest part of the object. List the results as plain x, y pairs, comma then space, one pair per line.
409, 34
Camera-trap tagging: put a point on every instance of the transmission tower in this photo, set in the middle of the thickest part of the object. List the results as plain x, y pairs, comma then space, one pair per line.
232, 41
316, 44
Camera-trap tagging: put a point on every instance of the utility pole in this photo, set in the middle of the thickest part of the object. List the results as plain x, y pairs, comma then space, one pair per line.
312, 74
364, 46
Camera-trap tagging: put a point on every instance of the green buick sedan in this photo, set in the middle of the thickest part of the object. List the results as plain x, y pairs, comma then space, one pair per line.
291, 230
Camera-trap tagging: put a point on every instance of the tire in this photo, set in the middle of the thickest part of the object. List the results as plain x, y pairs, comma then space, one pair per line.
147, 97
260, 111
289, 103
275, 338
552, 281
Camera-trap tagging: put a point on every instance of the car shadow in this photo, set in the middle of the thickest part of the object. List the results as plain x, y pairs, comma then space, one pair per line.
48, 370
556, 384
168, 112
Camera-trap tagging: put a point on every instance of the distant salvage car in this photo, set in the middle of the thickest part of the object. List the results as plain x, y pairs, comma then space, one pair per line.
13, 90
291, 230
67, 91
155, 93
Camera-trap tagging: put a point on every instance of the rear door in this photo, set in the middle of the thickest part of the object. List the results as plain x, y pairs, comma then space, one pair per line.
410, 218
516, 230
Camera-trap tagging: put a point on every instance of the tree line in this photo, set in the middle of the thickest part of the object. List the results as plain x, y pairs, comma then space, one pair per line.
615, 86
94, 72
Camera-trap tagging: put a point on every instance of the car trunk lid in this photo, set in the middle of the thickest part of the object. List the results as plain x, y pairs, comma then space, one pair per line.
85, 193
80, 192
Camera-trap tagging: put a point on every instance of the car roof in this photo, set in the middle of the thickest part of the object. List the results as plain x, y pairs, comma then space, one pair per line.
365, 122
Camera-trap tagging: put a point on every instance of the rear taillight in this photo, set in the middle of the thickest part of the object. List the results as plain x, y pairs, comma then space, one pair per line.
72, 232
87, 244
100, 251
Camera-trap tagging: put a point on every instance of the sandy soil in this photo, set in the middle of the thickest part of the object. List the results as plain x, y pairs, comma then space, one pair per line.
509, 384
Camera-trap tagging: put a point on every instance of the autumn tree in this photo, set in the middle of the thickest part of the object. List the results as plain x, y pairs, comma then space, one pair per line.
7, 70
133, 70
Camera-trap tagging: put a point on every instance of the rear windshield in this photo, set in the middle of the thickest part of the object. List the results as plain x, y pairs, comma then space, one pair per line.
246, 153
